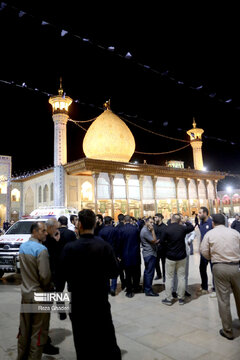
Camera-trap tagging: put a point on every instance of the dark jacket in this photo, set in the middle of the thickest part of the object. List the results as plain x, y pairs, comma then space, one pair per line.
66, 236
236, 225
159, 231
205, 226
110, 235
87, 265
129, 245
98, 228
173, 240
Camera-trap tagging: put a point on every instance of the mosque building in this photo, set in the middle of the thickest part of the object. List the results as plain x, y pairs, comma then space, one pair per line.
106, 181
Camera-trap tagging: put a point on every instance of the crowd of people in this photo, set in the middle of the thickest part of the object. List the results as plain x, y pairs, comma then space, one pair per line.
96, 251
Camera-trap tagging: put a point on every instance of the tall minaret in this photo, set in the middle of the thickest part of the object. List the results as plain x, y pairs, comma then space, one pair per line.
60, 104
196, 143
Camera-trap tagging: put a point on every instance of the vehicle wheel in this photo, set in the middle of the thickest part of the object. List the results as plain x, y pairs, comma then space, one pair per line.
1, 273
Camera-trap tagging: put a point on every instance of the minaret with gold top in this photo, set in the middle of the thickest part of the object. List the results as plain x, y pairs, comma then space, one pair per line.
196, 143
60, 104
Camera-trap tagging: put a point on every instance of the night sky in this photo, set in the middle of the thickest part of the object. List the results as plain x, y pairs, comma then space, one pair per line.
196, 54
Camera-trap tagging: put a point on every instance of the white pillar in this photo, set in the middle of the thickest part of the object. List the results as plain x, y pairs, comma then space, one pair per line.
60, 157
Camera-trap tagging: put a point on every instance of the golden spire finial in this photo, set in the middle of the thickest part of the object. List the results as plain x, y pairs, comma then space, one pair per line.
60, 90
194, 123
106, 105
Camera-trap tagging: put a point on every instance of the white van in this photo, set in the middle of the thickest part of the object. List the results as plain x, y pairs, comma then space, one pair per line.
19, 233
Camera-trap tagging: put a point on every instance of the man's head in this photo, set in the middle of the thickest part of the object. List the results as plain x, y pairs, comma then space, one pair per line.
86, 221
73, 219
159, 218
108, 220
127, 219
176, 218
99, 219
237, 217
218, 219
63, 220
120, 217
149, 222
39, 231
52, 226
203, 213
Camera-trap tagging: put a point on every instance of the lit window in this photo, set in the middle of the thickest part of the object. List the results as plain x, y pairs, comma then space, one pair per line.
86, 191
15, 195
56, 105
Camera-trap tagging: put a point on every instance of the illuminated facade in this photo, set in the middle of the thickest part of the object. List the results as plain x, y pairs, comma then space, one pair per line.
196, 143
106, 182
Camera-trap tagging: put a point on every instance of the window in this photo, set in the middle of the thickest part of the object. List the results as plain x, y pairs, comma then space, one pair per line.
51, 192
40, 194
45, 193
86, 191
15, 195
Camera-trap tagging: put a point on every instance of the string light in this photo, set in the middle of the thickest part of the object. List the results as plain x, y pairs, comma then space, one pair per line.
128, 56
121, 114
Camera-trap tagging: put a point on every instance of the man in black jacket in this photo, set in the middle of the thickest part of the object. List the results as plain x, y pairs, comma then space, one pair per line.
119, 228
109, 234
174, 242
130, 256
236, 223
160, 228
88, 263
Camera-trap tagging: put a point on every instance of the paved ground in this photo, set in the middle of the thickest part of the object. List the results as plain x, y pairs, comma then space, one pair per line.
146, 329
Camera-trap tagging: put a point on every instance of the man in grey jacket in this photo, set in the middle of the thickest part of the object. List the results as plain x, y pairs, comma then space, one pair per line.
36, 277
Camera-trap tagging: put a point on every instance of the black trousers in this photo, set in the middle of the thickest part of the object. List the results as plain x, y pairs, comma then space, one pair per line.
133, 275
161, 256
122, 275
203, 273
94, 335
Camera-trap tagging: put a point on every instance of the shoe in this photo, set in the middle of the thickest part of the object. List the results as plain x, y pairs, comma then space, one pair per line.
204, 292
130, 295
187, 294
151, 293
221, 332
166, 302
157, 277
112, 292
213, 294
181, 302
49, 349
138, 289
62, 316
174, 294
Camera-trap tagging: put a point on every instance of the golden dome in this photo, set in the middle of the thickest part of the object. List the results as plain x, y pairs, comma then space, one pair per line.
109, 138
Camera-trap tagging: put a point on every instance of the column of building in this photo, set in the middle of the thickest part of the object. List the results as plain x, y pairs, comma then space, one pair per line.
95, 176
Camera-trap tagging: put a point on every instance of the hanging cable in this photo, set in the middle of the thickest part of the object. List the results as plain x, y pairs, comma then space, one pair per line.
162, 153
82, 121
155, 133
80, 126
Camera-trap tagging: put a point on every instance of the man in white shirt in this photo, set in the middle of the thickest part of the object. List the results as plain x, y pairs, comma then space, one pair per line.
221, 245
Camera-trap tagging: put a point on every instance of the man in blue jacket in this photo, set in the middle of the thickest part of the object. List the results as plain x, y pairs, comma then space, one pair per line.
129, 254
204, 226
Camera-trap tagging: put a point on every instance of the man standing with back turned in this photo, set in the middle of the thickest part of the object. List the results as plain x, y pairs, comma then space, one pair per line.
86, 260
222, 246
